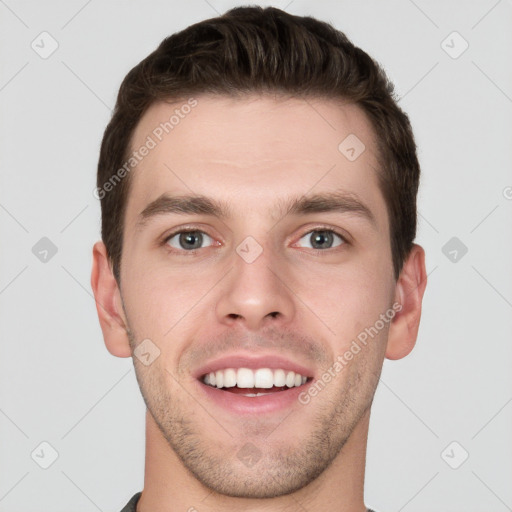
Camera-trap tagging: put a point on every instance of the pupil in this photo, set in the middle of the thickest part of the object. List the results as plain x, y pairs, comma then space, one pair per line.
187, 240
321, 238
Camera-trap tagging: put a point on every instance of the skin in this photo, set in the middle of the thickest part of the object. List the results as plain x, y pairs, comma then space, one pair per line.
303, 303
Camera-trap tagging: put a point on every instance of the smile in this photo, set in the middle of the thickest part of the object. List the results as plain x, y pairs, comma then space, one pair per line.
262, 381
251, 385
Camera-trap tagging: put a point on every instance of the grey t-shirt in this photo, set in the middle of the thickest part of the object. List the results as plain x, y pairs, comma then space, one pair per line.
132, 504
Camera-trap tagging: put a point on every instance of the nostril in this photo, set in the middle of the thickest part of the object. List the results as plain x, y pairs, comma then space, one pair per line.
234, 316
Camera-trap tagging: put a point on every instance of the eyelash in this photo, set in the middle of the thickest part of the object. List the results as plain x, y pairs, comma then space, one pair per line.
193, 252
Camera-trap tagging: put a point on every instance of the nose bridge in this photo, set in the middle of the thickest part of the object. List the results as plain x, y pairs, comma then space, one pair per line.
255, 292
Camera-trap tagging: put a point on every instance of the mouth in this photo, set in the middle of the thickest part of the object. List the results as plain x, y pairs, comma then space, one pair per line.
249, 386
254, 382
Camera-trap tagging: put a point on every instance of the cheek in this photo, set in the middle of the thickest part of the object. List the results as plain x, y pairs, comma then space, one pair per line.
157, 299
347, 298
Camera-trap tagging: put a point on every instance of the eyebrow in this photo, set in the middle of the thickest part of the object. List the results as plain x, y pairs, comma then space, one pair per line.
338, 202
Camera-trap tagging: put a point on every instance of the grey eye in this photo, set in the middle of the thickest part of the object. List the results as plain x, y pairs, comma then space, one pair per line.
322, 239
188, 240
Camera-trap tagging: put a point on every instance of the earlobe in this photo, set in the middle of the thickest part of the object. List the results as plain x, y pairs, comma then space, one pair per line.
108, 303
410, 288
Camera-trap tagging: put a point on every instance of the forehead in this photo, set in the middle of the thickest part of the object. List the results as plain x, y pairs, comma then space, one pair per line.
253, 150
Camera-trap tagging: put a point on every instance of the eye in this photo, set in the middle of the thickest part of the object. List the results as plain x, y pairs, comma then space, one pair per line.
188, 240
323, 239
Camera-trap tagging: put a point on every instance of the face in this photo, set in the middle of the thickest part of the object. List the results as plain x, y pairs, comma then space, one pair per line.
255, 254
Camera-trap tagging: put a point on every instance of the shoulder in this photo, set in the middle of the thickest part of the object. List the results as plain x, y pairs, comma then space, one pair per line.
132, 504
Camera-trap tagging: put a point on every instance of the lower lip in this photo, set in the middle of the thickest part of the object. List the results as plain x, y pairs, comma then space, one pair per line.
248, 405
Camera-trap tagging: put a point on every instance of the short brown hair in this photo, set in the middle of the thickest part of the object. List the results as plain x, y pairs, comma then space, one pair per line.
255, 49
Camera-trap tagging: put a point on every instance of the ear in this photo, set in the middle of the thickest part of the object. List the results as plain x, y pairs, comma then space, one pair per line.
108, 303
409, 291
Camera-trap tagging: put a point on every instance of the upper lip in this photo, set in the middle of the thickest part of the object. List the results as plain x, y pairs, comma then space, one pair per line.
245, 360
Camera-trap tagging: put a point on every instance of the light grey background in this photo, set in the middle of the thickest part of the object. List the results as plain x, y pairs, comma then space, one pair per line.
58, 383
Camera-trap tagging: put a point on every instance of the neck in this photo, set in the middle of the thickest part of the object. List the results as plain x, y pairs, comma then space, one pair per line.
169, 486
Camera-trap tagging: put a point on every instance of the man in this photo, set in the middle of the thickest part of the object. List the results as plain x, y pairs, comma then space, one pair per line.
258, 191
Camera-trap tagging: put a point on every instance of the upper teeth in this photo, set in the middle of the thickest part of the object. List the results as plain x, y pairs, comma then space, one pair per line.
247, 378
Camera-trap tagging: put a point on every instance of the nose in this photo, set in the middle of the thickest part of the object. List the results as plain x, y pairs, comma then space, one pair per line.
257, 293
